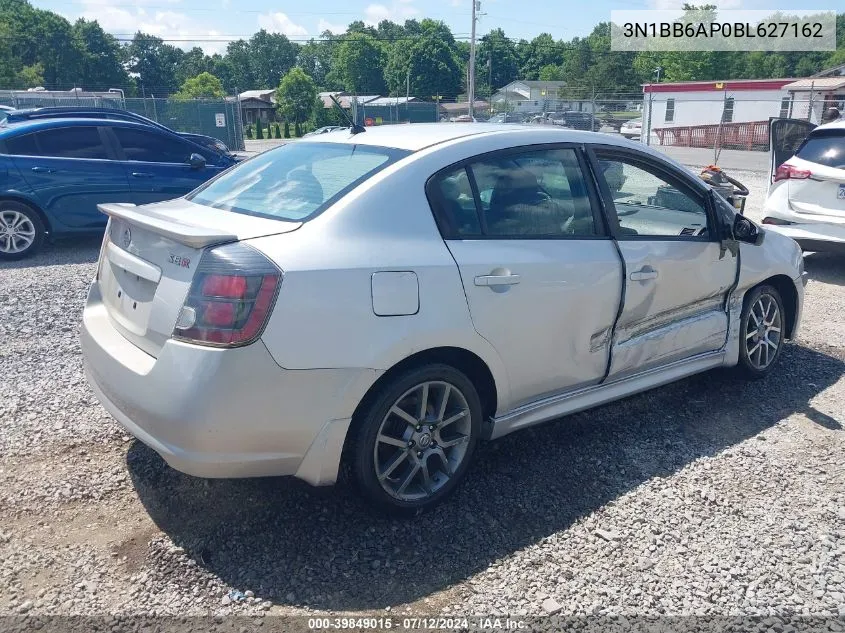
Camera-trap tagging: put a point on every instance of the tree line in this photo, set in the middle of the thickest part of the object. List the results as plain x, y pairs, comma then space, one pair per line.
41, 48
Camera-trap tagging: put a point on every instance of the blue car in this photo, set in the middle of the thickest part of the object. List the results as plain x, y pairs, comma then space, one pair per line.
54, 173
63, 112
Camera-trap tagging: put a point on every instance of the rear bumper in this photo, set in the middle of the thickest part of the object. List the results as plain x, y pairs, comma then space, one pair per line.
820, 237
221, 413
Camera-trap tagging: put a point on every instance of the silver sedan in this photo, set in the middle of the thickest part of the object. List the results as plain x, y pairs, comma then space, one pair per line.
385, 300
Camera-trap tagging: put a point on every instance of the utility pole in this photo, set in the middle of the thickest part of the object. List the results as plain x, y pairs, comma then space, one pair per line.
657, 70
471, 80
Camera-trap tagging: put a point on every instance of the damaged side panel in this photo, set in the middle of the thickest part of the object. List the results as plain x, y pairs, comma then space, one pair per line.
678, 310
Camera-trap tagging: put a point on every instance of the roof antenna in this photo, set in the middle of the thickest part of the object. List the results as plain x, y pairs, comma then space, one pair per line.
354, 128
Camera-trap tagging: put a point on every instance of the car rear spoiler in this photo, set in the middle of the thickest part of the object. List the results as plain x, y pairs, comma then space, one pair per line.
187, 234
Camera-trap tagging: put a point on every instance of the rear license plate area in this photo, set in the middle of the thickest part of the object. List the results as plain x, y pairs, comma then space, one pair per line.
128, 296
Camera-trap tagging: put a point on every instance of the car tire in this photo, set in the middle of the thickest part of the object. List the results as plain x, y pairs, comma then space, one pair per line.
762, 332
21, 230
405, 469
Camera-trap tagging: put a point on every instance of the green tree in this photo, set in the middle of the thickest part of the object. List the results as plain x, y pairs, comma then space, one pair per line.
8, 63
358, 63
101, 57
237, 69
203, 86
30, 76
431, 60
40, 36
358, 26
609, 71
155, 63
193, 63
550, 72
540, 52
271, 55
296, 96
504, 65
315, 58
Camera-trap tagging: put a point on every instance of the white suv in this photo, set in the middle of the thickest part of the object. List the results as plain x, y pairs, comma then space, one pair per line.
806, 197
388, 299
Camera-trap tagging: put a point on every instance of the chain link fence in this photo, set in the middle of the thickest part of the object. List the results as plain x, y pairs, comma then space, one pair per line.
218, 118
386, 113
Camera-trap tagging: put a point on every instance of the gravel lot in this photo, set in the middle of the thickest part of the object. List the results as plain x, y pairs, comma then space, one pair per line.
710, 496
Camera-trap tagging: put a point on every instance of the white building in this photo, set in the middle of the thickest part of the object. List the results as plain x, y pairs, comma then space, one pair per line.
526, 96
695, 103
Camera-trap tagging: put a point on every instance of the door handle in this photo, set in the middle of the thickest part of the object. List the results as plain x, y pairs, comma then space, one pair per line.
141, 174
42, 170
643, 274
496, 280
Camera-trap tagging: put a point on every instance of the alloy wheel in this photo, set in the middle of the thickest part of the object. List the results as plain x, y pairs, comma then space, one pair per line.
422, 441
17, 231
763, 331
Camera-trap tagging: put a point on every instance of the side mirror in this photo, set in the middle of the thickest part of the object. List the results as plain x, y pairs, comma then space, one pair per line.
745, 230
196, 161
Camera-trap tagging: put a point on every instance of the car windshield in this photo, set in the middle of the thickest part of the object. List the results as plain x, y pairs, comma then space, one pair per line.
825, 147
295, 182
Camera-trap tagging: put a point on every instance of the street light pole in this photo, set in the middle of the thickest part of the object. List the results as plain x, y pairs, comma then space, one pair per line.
471, 80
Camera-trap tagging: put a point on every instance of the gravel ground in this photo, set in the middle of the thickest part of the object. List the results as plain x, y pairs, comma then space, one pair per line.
709, 496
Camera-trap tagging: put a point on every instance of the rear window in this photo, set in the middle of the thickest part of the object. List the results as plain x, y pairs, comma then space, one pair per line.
295, 182
825, 147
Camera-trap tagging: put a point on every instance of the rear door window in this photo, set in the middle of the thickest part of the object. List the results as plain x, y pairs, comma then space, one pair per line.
67, 142
530, 194
23, 145
824, 147
148, 146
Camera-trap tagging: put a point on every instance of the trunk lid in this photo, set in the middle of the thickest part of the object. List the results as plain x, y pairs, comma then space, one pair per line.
150, 255
822, 194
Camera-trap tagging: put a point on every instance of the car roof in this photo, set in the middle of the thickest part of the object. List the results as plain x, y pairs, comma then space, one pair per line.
31, 125
838, 124
421, 135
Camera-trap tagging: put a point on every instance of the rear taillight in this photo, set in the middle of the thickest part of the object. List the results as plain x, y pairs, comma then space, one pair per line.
231, 296
788, 172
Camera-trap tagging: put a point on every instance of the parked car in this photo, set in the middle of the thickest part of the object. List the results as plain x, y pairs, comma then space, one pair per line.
54, 172
580, 121
503, 117
806, 194
64, 112
284, 319
465, 118
325, 130
632, 129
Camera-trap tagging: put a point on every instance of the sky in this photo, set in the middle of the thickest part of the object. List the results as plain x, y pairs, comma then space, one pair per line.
212, 23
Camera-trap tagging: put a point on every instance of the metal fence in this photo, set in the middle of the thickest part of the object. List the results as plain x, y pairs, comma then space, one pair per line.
752, 135
219, 118
411, 112
22, 99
